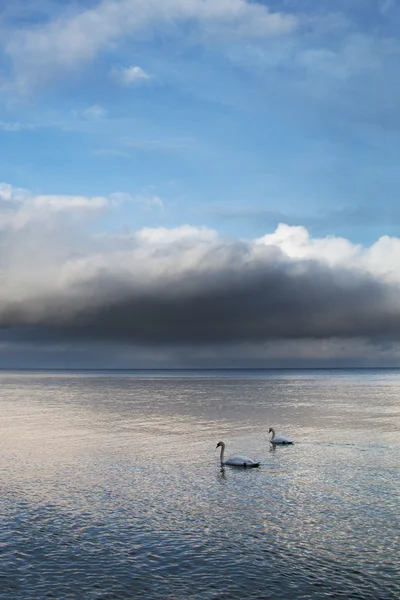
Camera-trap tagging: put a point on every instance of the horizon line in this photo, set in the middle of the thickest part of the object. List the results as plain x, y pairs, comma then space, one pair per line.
302, 368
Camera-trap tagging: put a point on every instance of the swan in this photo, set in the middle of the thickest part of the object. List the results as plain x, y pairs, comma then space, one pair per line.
236, 461
278, 439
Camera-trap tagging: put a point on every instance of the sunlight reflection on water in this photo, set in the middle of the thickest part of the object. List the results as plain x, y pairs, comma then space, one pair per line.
111, 486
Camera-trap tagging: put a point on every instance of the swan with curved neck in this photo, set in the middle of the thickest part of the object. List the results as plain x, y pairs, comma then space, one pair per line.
278, 439
235, 461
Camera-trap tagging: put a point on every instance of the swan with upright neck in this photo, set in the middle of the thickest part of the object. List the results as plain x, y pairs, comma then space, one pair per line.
278, 439
236, 461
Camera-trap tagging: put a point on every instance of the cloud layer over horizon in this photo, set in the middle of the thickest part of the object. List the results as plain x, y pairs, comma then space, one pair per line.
185, 285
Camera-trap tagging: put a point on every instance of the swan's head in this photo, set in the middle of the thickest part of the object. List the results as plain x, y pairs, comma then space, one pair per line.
220, 444
270, 430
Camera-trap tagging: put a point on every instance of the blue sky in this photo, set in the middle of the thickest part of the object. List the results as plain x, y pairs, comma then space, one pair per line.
231, 129
229, 115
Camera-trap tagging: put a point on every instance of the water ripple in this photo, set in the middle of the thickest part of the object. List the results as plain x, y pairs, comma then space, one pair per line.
111, 488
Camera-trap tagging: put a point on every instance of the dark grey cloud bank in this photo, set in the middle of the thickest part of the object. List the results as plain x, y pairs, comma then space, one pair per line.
227, 294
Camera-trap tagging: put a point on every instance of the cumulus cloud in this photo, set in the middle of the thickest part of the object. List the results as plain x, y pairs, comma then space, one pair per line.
19, 207
40, 52
187, 285
129, 76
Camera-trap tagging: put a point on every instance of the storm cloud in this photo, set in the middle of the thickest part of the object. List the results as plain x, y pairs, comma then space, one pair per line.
186, 286
230, 295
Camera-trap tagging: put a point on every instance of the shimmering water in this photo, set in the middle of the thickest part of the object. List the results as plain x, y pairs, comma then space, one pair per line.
111, 486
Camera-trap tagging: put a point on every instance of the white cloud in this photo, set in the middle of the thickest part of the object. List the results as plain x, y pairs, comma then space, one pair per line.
186, 233
68, 203
295, 243
129, 76
10, 194
381, 259
38, 53
94, 112
19, 207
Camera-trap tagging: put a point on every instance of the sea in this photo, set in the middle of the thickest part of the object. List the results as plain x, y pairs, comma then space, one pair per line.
111, 486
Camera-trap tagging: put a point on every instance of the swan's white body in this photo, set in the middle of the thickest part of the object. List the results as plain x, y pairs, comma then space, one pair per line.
278, 439
236, 461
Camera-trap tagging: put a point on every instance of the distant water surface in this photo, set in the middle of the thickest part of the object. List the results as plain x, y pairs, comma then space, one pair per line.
111, 486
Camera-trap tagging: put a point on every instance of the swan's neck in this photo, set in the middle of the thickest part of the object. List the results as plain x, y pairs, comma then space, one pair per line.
222, 454
272, 433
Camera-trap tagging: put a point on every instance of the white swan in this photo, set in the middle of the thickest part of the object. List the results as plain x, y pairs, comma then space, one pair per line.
278, 439
236, 461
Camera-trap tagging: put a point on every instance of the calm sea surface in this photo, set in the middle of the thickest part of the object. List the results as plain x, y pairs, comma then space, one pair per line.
111, 486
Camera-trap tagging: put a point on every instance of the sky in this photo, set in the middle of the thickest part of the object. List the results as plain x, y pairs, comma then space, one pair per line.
199, 183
